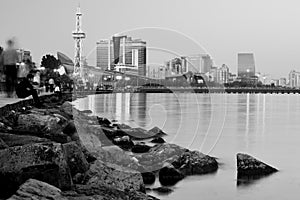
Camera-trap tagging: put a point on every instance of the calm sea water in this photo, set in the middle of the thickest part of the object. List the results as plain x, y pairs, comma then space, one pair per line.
266, 126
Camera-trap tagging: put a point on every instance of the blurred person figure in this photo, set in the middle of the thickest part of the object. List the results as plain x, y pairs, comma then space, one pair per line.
9, 58
51, 84
26, 88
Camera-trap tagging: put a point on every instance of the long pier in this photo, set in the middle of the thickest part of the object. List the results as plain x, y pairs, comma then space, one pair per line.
220, 90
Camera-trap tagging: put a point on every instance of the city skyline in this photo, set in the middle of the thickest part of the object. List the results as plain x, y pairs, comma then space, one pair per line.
222, 32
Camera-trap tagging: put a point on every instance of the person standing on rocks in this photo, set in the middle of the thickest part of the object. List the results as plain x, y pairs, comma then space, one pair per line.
10, 58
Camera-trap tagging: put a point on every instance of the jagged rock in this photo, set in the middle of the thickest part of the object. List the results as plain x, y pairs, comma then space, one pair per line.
119, 177
194, 162
43, 161
19, 140
158, 155
169, 175
123, 126
34, 189
250, 166
162, 190
140, 148
158, 140
75, 158
148, 177
3, 145
156, 132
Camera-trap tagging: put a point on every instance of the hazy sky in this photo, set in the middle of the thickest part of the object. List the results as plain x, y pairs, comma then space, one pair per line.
268, 28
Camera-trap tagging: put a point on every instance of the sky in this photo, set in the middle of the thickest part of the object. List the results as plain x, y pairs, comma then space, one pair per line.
268, 28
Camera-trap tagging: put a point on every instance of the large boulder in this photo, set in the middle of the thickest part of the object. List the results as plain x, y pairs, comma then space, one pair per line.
47, 126
34, 189
43, 161
19, 140
169, 175
75, 158
250, 166
194, 162
158, 155
121, 178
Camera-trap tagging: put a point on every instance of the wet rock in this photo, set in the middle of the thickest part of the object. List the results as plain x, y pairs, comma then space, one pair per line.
158, 140
44, 161
19, 140
140, 148
250, 166
169, 175
124, 142
194, 162
148, 177
75, 158
34, 189
162, 190
119, 177
103, 121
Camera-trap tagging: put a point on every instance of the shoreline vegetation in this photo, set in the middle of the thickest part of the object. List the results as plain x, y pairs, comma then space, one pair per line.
60, 152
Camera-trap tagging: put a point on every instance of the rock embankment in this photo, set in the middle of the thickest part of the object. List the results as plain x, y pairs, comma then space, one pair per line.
43, 156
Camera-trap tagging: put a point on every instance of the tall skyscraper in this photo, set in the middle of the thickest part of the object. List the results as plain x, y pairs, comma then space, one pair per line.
246, 65
294, 79
124, 52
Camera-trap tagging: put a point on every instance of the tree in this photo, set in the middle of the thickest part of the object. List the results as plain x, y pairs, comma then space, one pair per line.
49, 62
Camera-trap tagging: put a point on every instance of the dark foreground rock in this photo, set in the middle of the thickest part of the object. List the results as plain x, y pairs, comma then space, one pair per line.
158, 140
148, 177
169, 175
250, 166
43, 161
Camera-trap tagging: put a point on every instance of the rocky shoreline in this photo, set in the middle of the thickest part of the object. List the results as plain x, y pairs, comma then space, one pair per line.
60, 152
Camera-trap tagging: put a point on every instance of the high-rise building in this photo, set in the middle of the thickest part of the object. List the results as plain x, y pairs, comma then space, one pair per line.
223, 74
282, 82
294, 79
199, 63
246, 65
122, 53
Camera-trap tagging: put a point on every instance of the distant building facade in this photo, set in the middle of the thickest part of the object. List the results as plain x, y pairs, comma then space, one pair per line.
246, 65
294, 79
123, 54
282, 82
223, 74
